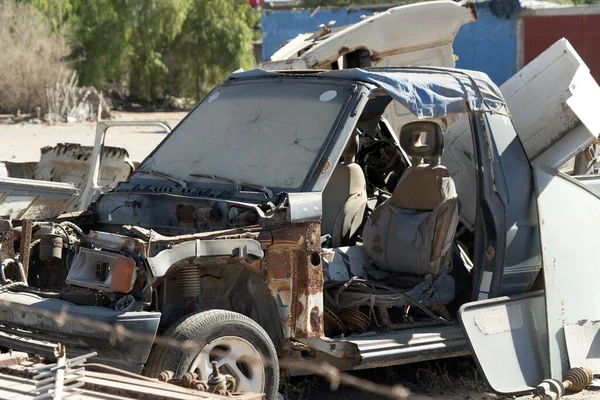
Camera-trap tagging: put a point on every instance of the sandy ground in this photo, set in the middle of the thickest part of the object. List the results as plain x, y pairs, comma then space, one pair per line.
22, 142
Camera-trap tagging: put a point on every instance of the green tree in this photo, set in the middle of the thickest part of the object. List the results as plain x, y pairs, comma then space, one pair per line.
58, 12
215, 40
123, 41
160, 47
155, 25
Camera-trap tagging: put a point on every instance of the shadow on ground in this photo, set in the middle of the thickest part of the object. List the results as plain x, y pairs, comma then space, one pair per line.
447, 379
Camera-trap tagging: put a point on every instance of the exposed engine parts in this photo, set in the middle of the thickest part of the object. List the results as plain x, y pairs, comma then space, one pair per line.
64, 264
51, 246
189, 281
217, 383
18, 266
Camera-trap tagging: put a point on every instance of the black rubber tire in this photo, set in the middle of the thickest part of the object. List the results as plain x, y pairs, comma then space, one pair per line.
203, 328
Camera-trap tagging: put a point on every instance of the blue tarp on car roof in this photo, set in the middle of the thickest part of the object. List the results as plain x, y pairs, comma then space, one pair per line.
426, 92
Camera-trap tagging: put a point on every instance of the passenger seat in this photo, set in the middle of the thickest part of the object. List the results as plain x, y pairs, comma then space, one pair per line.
412, 232
345, 198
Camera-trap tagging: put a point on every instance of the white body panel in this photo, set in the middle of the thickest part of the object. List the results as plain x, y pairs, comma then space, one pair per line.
553, 105
422, 34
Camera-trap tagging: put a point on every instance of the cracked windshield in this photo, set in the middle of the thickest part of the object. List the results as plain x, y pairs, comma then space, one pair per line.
259, 133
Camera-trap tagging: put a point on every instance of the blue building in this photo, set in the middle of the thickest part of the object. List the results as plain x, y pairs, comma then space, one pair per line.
489, 45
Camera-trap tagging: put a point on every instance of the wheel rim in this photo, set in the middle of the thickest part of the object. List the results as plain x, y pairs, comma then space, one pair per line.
236, 357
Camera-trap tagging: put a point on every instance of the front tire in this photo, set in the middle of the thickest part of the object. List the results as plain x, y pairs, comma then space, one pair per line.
238, 344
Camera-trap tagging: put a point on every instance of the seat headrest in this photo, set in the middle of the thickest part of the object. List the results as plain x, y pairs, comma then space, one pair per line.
422, 139
351, 149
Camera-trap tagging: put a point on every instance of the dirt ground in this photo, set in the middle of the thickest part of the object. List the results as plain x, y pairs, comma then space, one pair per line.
22, 142
453, 379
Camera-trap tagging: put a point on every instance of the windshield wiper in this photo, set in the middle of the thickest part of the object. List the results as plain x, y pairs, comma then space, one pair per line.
238, 184
180, 182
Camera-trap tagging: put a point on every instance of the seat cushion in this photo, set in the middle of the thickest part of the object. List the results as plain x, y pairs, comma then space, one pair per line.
412, 232
419, 187
399, 240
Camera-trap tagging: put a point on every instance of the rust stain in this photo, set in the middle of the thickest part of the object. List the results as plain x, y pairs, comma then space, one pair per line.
298, 310
471, 7
279, 265
264, 238
185, 213
7, 235
26, 232
289, 237
295, 277
315, 319
324, 166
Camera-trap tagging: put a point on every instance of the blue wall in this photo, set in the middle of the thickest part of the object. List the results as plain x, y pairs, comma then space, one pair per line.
488, 45
280, 26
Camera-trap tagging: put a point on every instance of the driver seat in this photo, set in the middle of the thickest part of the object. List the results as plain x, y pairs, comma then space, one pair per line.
412, 232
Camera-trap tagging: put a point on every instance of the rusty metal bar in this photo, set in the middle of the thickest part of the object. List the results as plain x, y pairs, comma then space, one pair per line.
7, 248
26, 231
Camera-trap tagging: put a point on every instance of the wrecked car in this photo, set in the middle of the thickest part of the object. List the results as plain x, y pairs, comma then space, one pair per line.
285, 217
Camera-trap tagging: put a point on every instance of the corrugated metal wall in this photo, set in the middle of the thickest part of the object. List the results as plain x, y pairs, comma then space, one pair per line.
582, 31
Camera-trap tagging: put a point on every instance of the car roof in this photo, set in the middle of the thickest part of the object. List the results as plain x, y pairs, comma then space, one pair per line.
427, 92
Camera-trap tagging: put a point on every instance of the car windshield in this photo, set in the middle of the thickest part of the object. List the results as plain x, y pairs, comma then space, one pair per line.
263, 132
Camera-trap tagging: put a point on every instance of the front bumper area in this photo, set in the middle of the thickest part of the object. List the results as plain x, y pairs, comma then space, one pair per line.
33, 324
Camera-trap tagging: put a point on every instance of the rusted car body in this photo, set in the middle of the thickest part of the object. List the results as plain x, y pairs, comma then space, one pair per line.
286, 204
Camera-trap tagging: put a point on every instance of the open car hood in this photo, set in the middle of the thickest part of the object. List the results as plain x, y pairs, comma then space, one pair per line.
415, 34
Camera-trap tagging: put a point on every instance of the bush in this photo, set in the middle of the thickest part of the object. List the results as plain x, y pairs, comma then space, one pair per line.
32, 57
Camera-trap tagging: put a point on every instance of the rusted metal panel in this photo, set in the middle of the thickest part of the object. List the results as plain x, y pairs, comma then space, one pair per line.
26, 231
146, 389
14, 383
7, 250
295, 279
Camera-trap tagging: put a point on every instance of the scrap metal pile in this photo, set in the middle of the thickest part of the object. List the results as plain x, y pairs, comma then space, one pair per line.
79, 377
